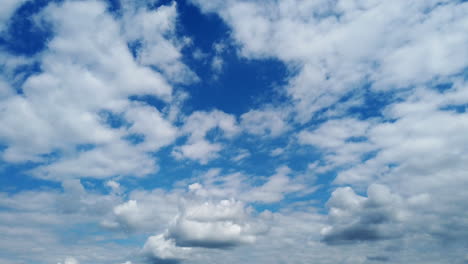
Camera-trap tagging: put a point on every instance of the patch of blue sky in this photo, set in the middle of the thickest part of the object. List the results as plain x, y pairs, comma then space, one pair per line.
134, 138
459, 109
21, 73
70, 234
241, 83
15, 178
128, 240
85, 147
149, 100
113, 120
203, 29
113, 6
24, 36
374, 104
134, 47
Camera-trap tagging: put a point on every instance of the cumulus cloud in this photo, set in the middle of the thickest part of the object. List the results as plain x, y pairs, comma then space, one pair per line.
376, 95
275, 188
155, 31
190, 221
340, 45
356, 218
342, 141
208, 224
159, 249
268, 122
198, 147
416, 142
38, 220
239, 186
87, 70
144, 211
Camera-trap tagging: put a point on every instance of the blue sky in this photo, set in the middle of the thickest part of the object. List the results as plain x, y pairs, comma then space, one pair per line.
206, 131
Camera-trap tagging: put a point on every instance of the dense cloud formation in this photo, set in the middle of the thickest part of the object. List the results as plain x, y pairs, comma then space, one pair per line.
114, 149
356, 218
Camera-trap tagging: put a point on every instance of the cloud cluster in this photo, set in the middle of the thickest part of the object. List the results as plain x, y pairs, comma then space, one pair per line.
373, 119
78, 107
208, 224
337, 46
197, 126
193, 223
357, 218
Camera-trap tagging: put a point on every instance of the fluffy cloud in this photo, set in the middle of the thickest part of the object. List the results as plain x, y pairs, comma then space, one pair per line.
275, 188
158, 249
264, 122
159, 45
416, 143
268, 190
197, 126
376, 96
356, 218
41, 221
340, 45
87, 70
191, 221
342, 141
145, 211
220, 224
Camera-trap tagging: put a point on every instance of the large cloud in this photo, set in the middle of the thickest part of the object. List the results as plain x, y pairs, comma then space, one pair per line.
87, 75
337, 46
220, 224
356, 218
384, 79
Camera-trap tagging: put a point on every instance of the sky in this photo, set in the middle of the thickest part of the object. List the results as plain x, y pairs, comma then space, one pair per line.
233, 131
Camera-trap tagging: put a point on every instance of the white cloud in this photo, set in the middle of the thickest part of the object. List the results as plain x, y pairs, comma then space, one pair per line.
197, 126
213, 225
276, 152
217, 64
119, 158
160, 46
248, 188
160, 249
114, 186
71, 260
201, 151
268, 122
242, 154
356, 218
340, 45
87, 69
199, 123
145, 211
33, 225
412, 160
148, 121
422, 140
342, 141
274, 189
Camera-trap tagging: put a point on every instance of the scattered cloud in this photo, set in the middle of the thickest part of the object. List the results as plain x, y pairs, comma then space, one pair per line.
357, 155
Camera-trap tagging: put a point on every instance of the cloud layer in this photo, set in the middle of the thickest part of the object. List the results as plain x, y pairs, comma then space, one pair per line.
357, 155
